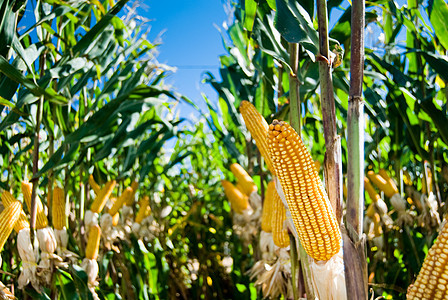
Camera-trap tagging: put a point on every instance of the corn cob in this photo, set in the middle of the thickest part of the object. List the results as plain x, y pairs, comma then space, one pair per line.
370, 212
377, 229
8, 218
387, 186
130, 200
41, 218
22, 222
374, 196
144, 211
120, 201
58, 208
391, 184
307, 200
247, 183
266, 216
239, 186
95, 187
279, 233
102, 197
432, 281
93, 244
238, 200
258, 128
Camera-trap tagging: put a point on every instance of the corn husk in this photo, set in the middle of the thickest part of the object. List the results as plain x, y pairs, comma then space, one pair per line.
255, 203
5, 294
430, 217
108, 230
328, 278
404, 217
28, 256
90, 266
267, 245
127, 213
47, 245
276, 279
90, 219
62, 242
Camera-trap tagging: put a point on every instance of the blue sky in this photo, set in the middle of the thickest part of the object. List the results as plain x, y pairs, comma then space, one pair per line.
190, 42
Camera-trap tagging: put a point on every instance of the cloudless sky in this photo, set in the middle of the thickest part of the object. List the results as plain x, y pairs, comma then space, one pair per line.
190, 42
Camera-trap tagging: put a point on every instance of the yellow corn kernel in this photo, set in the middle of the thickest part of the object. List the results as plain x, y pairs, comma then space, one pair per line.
238, 200
130, 200
307, 200
58, 208
374, 196
258, 128
266, 215
95, 186
144, 211
247, 183
22, 222
102, 197
93, 244
120, 201
279, 232
432, 280
8, 218
381, 182
41, 218
115, 219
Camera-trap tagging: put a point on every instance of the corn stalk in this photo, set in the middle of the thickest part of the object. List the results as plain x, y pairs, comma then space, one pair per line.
354, 243
332, 166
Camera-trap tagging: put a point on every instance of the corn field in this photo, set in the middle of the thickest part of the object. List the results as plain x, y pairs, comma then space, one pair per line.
321, 171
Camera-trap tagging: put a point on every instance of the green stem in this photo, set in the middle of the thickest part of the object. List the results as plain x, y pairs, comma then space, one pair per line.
294, 86
294, 260
35, 180
50, 175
